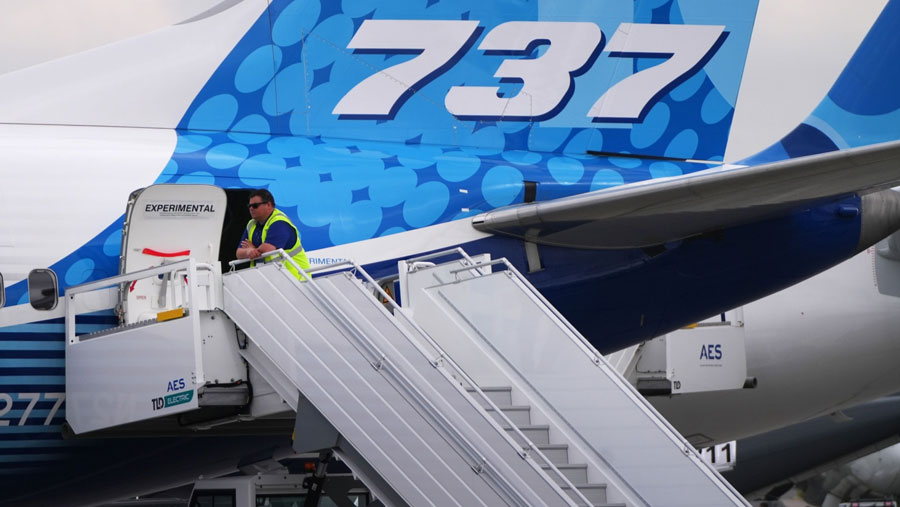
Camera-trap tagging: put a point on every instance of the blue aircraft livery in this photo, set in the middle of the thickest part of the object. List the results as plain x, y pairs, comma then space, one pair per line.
369, 119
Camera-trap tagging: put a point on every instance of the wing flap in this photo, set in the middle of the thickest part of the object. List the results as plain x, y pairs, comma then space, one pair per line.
667, 209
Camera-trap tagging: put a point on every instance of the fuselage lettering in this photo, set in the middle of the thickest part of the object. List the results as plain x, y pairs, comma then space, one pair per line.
547, 81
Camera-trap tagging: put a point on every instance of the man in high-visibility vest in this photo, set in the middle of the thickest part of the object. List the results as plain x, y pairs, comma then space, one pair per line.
270, 229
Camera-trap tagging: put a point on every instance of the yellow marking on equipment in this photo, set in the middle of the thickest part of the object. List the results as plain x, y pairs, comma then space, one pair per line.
690, 326
170, 314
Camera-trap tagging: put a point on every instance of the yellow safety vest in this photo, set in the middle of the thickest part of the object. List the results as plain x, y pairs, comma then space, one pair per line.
295, 252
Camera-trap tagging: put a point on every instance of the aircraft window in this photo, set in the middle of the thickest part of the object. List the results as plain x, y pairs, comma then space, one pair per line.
2, 292
220, 498
43, 289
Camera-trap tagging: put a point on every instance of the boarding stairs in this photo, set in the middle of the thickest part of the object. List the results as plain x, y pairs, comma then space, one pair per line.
474, 392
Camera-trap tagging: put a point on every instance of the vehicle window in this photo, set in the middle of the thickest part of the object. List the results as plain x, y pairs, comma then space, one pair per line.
43, 289
213, 499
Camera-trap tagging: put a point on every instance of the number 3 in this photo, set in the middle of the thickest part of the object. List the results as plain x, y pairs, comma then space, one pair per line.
547, 80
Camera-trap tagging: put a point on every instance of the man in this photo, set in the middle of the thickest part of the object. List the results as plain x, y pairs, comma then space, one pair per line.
270, 229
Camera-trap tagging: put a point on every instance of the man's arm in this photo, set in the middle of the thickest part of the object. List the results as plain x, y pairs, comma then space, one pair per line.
246, 250
280, 235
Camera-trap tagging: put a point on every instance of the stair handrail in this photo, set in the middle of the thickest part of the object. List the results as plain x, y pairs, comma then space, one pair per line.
583, 344
188, 264
443, 357
477, 459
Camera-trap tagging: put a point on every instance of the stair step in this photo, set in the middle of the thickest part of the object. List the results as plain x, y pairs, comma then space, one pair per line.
577, 474
501, 396
520, 415
558, 454
539, 435
595, 493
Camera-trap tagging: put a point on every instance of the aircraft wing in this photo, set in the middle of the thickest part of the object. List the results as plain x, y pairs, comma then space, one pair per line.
667, 209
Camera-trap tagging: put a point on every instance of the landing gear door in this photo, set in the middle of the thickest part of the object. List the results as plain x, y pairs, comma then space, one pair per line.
170, 223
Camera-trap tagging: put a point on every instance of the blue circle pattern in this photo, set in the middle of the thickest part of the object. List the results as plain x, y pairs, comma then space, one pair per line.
325, 182
402, 187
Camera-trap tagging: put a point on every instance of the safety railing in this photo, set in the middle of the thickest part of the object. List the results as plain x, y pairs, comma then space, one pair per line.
190, 290
600, 362
479, 463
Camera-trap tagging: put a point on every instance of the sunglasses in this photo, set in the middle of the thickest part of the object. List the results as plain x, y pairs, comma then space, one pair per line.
255, 205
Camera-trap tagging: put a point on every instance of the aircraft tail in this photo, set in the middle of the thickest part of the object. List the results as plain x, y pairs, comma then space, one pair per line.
863, 105
648, 77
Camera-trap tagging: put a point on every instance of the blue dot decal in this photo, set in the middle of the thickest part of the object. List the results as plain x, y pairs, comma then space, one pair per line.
688, 88
337, 27
356, 172
521, 157
625, 162
417, 157
714, 108
289, 190
544, 139
318, 204
253, 129
289, 147
260, 170
393, 186
295, 21
226, 155
664, 169
605, 178
684, 145
654, 126
80, 271
217, 113
581, 141
281, 94
457, 166
358, 8
257, 69
357, 222
426, 204
113, 244
501, 185
484, 141
191, 143
565, 170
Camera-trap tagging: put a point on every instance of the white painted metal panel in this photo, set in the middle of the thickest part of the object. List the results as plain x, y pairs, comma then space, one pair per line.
395, 415
585, 396
706, 358
132, 375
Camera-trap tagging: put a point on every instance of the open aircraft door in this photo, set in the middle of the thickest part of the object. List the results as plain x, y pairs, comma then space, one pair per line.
166, 224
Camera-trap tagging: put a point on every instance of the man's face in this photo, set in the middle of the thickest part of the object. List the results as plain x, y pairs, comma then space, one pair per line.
259, 208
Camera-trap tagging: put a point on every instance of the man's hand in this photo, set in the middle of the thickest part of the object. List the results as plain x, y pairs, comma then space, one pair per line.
247, 251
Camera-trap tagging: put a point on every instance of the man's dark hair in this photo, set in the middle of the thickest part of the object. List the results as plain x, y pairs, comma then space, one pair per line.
264, 194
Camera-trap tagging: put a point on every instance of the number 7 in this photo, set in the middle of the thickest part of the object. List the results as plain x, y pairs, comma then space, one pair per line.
380, 95
689, 48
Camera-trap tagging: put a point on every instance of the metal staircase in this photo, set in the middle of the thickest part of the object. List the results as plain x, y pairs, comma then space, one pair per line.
404, 425
406, 396
501, 331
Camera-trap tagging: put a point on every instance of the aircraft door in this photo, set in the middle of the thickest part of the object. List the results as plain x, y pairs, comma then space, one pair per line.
170, 223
